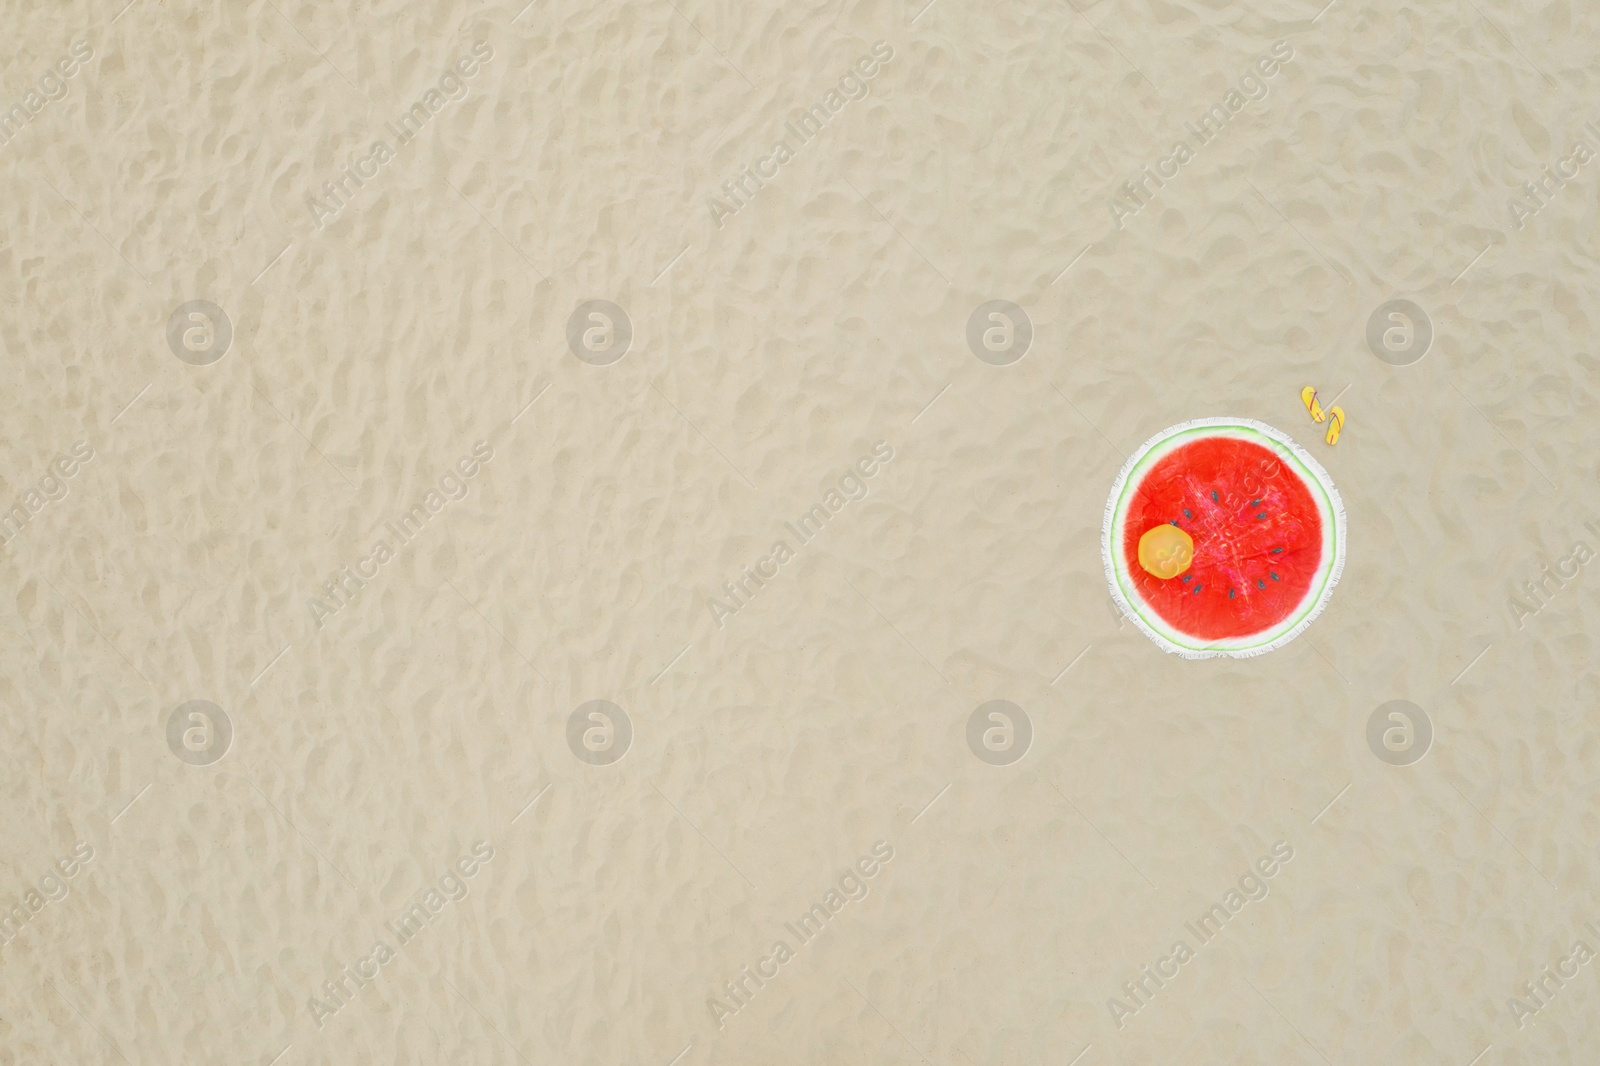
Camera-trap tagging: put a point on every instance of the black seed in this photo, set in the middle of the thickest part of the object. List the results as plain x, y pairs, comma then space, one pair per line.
1276, 551
1255, 503
1275, 577
1260, 516
1174, 521
1260, 584
1230, 594
1197, 589
1187, 578
1213, 495
1188, 513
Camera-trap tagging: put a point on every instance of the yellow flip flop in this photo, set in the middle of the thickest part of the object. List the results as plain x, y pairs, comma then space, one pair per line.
1335, 424
1308, 396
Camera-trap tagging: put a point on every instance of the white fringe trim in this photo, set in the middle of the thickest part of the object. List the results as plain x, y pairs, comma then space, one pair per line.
1108, 552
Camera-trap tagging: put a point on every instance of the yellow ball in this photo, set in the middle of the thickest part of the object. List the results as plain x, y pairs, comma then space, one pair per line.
1165, 551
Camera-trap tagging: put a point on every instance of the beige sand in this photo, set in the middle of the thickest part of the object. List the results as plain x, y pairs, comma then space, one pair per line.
206, 910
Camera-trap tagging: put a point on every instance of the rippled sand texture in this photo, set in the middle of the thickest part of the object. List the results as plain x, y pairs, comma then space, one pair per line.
377, 341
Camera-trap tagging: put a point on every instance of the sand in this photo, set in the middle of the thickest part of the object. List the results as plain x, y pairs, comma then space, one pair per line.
589, 531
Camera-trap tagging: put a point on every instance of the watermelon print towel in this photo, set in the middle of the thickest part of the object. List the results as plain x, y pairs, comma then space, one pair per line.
1268, 530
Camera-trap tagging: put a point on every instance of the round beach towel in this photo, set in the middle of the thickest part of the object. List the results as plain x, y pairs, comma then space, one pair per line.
1268, 534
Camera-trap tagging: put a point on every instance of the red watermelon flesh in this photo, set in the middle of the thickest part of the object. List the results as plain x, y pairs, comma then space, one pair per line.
1257, 537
